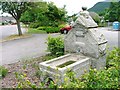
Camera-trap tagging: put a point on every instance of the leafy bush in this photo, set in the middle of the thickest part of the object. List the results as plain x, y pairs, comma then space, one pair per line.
113, 58
34, 25
107, 78
55, 45
52, 29
3, 71
48, 29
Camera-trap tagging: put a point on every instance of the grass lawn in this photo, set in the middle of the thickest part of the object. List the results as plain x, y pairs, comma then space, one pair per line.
35, 31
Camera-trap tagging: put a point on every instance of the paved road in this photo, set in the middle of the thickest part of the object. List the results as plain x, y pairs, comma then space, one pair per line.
13, 51
111, 36
8, 30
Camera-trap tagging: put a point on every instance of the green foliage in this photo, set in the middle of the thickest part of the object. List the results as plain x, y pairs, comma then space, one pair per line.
16, 9
107, 78
114, 11
34, 25
52, 29
113, 58
23, 82
46, 14
55, 45
44, 30
100, 7
35, 31
3, 72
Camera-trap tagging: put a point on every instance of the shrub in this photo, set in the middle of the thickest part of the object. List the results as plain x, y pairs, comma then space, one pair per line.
55, 45
107, 78
34, 25
113, 58
3, 72
52, 29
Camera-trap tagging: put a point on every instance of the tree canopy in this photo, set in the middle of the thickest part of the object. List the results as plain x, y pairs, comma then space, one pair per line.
113, 12
46, 14
16, 9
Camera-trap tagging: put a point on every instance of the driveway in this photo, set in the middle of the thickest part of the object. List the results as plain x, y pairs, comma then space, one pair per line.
13, 51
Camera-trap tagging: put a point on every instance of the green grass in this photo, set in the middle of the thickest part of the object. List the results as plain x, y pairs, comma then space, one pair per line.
3, 72
65, 64
35, 31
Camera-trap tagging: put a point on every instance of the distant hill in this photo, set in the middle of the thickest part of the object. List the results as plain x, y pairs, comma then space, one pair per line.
99, 7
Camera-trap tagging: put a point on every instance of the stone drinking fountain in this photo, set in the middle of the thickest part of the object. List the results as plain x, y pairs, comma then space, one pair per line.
85, 48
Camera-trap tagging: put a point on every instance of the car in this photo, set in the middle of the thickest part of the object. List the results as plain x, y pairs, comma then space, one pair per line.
65, 29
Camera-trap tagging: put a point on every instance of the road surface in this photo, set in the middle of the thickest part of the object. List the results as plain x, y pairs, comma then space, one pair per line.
112, 37
13, 51
8, 30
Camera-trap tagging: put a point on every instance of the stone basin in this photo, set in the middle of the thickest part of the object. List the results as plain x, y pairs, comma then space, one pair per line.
50, 69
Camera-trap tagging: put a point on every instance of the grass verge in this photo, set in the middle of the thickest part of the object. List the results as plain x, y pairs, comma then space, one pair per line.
14, 37
35, 31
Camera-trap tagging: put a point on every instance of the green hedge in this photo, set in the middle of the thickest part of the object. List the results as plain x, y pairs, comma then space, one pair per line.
50, 29
34, 25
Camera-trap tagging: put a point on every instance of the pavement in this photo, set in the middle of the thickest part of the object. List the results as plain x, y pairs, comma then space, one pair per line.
8, 30
112, 36
22, 49
35, 46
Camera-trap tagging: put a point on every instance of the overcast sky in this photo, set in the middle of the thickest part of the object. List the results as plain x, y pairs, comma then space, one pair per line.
74, 6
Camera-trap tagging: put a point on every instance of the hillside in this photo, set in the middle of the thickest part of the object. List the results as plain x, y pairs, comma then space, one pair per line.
99, 7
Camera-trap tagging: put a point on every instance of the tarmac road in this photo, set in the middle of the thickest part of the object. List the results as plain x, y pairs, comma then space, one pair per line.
112, 36
8, 30
13, 51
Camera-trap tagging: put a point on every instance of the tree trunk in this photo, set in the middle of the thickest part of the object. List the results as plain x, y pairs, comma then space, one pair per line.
19, 28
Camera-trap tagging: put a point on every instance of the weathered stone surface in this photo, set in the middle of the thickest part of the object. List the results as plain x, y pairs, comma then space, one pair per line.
85, 38
87, 47
49, 69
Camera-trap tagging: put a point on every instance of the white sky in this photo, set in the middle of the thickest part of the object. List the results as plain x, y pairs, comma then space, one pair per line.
74, 6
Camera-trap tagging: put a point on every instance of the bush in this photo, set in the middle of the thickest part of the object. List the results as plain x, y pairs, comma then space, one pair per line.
55, 45
50, 29
107, 78
3, 72
34, 25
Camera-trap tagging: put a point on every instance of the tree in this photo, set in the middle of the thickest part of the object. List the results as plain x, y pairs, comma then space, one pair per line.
35, 12
44, 14
113, 13
16, 9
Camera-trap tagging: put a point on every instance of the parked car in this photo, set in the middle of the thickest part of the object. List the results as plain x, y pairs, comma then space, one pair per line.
65, 29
